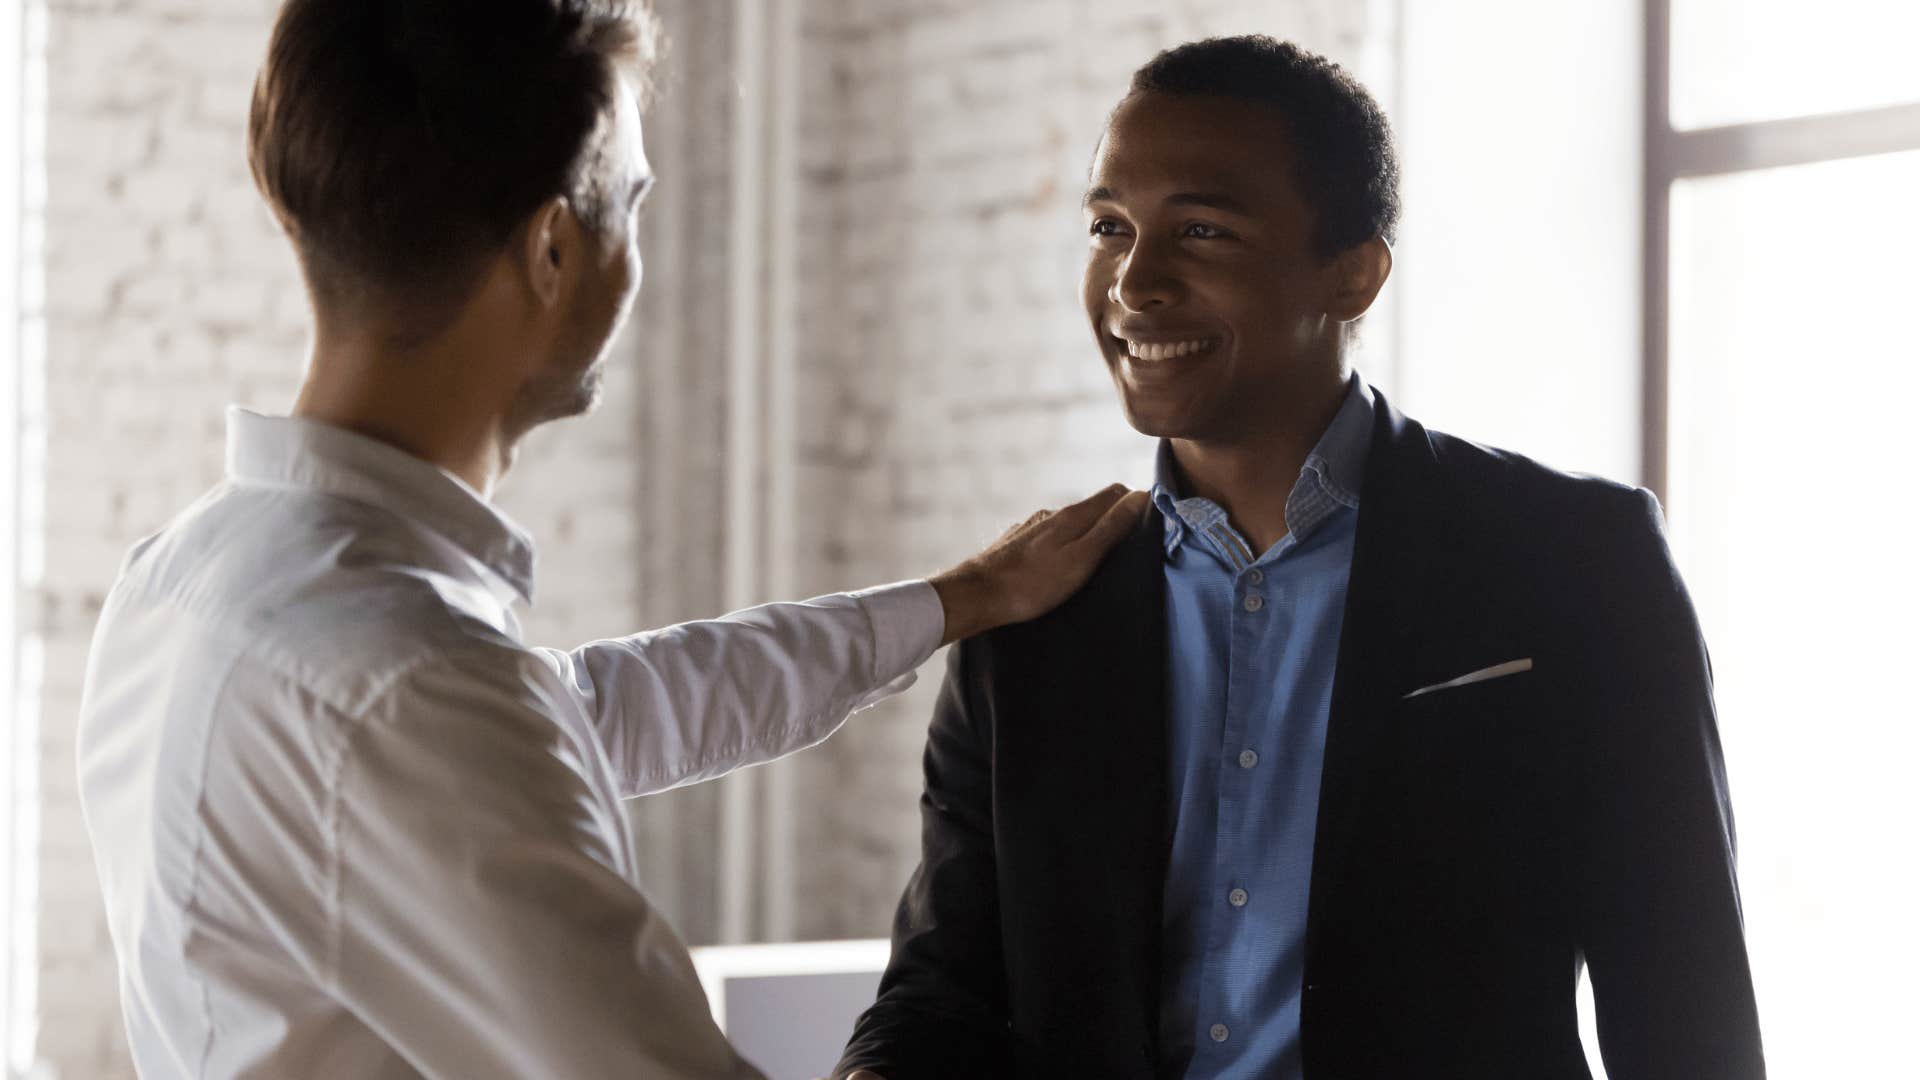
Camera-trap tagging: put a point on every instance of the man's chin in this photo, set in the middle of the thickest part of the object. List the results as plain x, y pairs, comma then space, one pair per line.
581, 398
1156, 420
585, 400
537, 408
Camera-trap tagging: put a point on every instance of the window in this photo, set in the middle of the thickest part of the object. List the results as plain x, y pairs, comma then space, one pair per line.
1744, 61
1782, 169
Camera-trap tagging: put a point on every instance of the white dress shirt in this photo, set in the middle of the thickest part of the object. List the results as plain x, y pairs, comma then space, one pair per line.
347, 825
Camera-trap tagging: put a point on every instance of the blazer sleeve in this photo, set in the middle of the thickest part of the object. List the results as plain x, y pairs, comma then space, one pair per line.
1656, 900
941, 1010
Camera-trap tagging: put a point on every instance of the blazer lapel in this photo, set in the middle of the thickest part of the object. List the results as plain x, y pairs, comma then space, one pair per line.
1398, 500
1087, 763
1126, 818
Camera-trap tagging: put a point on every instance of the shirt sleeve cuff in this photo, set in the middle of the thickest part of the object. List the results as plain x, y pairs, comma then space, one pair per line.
908, 622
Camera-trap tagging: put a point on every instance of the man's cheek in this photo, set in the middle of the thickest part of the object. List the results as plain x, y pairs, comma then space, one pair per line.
1093, 294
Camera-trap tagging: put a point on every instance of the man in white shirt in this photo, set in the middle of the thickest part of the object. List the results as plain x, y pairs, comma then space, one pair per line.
346, 823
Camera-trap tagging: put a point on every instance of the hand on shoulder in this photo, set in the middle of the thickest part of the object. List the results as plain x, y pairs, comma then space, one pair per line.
1037, 564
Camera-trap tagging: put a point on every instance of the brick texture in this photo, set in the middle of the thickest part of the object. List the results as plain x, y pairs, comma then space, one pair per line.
946, 385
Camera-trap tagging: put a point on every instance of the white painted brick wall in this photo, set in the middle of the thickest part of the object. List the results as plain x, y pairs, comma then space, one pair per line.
947, 384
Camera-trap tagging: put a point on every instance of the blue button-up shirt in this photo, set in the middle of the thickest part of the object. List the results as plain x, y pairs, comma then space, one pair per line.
1251, 641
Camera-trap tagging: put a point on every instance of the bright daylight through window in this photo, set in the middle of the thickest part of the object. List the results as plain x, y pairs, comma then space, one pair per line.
1736, 61
1789, 359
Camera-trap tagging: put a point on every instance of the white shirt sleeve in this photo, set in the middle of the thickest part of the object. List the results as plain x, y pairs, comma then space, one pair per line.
697, 700
478, 918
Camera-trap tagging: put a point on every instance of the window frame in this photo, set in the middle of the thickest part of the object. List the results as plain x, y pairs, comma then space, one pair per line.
1673, 155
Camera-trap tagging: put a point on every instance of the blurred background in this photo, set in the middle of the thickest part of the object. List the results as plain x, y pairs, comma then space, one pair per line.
1666, 241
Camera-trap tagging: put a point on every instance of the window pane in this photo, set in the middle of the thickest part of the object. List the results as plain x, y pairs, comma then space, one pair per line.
1741, 60
1794, 506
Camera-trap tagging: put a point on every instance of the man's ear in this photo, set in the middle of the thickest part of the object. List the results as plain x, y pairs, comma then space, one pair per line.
1359, 272
548, 248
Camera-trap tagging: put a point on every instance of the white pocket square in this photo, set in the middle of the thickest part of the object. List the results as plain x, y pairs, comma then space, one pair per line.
1511, 667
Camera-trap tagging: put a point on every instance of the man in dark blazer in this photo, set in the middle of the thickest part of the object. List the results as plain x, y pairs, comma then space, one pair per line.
1361, 804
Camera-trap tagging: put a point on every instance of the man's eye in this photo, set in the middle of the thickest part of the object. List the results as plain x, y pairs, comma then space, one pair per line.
1202, 231
1104, 227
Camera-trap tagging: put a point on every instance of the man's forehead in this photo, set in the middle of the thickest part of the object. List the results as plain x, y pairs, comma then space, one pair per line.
626, 132
1137, 177
626, 138
1156, 145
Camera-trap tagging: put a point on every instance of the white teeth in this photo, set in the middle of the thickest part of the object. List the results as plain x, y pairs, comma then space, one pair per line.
1169, 351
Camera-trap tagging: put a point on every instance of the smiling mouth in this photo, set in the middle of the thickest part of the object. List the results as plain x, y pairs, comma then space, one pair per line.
1166, 350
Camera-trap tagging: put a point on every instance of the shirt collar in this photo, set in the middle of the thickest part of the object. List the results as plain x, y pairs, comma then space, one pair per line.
1329, 480
291, 452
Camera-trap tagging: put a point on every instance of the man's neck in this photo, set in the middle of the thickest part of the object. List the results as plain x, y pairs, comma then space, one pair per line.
1252, 476
430, 403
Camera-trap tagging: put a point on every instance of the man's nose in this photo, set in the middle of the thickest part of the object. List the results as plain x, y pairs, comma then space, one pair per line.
1144, 280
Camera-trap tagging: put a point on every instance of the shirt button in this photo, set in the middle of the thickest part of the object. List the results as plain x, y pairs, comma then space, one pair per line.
1253, 602
1218, 1033
1248, 759
1255, 577
1238, 898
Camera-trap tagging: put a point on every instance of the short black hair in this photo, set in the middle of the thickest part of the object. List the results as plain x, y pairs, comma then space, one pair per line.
1345, 167
400, 142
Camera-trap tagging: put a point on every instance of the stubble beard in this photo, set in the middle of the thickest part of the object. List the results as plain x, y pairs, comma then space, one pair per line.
546, 400
557, 397
566, 389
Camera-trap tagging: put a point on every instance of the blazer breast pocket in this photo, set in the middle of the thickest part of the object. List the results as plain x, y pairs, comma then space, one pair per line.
1480, 676
1472, 780
1488, 708
1467, 719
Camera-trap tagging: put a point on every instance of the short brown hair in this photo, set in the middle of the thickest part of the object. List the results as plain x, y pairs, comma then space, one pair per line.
400, 142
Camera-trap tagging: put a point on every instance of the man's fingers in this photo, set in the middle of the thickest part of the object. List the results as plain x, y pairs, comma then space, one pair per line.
1021, 527
1037, 564
1114, 525
1070, 522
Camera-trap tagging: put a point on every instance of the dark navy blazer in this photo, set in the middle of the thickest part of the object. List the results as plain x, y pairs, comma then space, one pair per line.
1475, 845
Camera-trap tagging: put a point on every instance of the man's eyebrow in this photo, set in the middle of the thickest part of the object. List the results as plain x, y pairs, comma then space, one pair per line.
1211, 200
